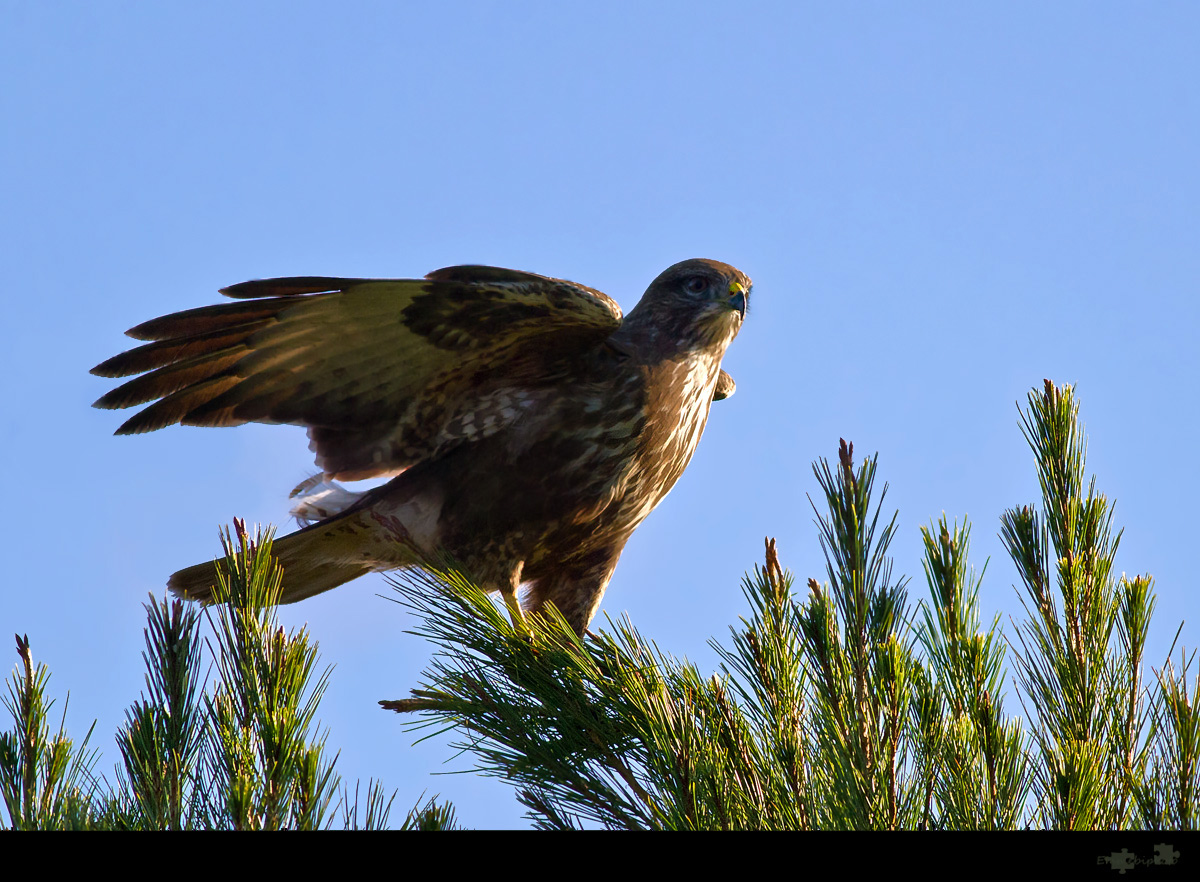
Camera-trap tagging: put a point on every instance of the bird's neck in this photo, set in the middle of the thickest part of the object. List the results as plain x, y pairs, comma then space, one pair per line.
654, 335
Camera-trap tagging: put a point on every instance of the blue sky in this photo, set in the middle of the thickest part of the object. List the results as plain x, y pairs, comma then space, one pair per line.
940, 204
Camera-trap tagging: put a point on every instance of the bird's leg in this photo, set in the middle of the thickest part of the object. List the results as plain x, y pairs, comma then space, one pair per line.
576, 590
509, 590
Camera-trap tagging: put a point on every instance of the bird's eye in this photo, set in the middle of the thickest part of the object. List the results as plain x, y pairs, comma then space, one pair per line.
696, 284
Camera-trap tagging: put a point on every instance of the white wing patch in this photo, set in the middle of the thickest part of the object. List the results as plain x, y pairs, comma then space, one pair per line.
318, 499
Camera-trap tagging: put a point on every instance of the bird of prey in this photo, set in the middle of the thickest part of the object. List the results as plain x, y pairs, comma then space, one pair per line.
528, 428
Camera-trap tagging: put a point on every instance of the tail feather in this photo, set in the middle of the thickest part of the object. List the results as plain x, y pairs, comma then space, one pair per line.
315, 559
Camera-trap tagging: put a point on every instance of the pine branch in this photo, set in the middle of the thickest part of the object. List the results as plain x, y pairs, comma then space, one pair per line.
843, 710
1082, 684
46, 782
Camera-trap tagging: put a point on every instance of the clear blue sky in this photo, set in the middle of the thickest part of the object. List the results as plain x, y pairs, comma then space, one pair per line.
940, 204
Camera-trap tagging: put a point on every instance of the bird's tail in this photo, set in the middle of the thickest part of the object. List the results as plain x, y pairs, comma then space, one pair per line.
315, 559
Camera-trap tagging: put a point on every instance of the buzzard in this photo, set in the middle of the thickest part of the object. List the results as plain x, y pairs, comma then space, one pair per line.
527, 428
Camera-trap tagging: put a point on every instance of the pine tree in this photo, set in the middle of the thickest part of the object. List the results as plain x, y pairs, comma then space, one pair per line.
847, 708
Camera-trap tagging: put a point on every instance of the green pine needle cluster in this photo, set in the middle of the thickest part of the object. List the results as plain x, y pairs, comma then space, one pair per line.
44, 778
244, 754
846, 708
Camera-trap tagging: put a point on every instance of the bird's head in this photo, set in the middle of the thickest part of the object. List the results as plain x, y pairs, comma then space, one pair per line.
698, 302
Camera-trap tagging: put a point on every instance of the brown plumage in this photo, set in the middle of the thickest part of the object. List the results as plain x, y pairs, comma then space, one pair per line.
530, 428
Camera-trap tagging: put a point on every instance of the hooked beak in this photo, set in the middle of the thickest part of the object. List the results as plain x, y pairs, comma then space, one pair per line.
737, 298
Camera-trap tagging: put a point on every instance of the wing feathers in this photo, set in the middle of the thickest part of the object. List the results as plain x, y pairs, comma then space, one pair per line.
168, 380
364, 357
165, 352
291, 286
725, 387
474, 274
205, 319
176, 407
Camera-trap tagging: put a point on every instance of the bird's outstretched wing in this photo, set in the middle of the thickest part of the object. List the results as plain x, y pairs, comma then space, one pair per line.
374, 368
